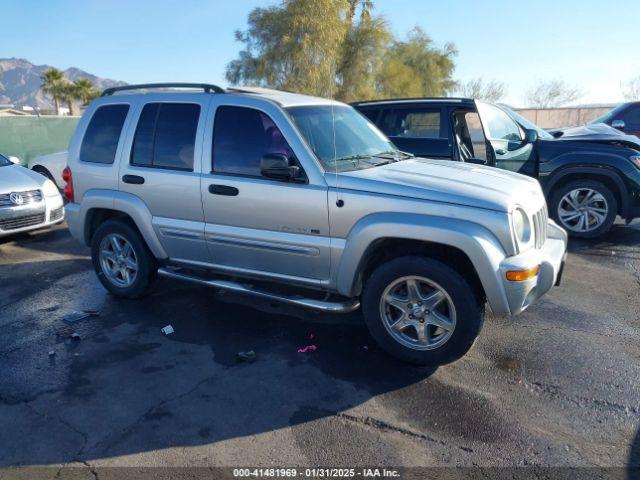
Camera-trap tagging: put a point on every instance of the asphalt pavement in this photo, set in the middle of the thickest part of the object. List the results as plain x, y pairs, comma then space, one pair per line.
555, 387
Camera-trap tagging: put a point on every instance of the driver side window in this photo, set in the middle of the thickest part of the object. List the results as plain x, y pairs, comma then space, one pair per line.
241, 137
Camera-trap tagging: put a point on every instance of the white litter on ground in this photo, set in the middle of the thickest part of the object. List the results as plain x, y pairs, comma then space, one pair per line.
167, 330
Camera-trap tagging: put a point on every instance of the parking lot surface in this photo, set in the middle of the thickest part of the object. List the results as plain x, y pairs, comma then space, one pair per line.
558, 385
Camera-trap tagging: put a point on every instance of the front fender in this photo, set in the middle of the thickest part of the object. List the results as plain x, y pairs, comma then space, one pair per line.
597, 164
481, 247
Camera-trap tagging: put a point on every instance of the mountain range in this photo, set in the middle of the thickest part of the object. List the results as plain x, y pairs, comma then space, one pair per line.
20, 83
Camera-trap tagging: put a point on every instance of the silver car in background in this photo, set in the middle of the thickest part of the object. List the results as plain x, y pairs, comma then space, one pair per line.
28, 201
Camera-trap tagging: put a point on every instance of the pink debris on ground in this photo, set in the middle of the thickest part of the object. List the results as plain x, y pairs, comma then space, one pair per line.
308, 348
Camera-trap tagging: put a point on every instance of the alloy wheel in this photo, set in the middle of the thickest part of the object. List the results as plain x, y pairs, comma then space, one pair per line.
583, 210
418, 313
118, 260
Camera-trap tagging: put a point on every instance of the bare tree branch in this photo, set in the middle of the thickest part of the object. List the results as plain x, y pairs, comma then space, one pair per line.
552, 93
631, 89
492, 91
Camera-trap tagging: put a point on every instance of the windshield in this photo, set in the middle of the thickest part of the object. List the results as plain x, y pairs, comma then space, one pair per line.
608, 116
524, 123
358, 143
4, 161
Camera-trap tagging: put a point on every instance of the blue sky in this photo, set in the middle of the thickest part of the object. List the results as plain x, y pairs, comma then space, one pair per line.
589, 43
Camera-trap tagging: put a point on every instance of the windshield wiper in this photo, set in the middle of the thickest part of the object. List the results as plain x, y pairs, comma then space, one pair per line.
393, 156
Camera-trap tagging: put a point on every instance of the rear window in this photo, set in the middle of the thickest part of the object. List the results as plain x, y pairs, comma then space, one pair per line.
100, 141
165, 136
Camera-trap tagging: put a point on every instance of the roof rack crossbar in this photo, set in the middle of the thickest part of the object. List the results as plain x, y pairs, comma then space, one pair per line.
208, 88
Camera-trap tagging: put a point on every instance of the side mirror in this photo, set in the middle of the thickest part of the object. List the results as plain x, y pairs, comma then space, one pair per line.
619, 124
278, 167
14, 160
530, 136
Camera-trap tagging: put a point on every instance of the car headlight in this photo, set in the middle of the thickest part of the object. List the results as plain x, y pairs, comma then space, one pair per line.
635, 159
521, 226
49, 189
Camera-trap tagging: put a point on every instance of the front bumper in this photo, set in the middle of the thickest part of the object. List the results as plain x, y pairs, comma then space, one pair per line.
34, 216
550, 258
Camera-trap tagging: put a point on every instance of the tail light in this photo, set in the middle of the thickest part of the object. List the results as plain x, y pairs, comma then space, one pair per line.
68, 188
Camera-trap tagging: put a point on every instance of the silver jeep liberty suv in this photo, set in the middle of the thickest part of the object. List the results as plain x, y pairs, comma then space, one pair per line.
265, 192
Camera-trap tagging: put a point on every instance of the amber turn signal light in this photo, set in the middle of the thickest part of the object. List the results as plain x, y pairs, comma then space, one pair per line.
522, 275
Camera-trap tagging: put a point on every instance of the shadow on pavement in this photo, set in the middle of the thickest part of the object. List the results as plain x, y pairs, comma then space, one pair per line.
634, 458
126, 388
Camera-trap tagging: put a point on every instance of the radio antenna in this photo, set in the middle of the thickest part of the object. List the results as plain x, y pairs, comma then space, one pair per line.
339, 201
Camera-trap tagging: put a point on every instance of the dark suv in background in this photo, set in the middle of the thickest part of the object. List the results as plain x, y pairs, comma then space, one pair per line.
588, 177
625, 117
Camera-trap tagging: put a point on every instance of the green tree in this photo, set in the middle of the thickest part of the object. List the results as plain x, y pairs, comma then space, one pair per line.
362, 57
293, 46
417, 68
338, 48
85, 90
53, 83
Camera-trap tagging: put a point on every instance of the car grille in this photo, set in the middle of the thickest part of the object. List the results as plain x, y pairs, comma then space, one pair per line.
56, 214
540, 220
21, 222
30, 196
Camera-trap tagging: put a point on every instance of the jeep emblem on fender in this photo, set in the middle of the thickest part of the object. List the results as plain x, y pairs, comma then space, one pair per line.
16, 199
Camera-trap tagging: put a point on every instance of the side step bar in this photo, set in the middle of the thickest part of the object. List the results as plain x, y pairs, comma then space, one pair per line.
320, 305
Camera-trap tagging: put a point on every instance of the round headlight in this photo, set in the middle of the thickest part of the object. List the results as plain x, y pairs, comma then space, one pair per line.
521, 225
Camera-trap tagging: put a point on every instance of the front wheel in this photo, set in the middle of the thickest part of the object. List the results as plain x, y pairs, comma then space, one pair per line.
586, 208
421, 311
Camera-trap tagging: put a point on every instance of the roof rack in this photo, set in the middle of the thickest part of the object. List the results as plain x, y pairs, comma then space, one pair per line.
208, 88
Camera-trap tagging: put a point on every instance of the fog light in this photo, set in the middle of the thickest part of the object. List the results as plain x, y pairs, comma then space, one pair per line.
522, 275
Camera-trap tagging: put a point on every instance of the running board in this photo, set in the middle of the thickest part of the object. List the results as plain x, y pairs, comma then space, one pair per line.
321, 305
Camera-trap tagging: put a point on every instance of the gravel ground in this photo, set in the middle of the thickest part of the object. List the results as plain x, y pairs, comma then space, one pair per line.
557, 386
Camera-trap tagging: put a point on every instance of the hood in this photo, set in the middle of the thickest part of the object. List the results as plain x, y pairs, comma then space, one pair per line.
447, 181
15, 178
599, 133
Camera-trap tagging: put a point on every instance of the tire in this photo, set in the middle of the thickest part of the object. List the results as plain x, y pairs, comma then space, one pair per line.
603, 203
467, 318
142, 282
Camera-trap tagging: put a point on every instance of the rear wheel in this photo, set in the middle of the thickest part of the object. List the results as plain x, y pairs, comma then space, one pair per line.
421, 311
586, 208
122, 260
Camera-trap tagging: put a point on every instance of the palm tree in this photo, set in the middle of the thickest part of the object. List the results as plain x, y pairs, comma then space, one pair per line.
85, 90
365, 13
53, 84
70, 93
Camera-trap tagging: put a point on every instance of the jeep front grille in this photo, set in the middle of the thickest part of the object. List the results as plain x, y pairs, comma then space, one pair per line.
28, 197
21, 222
540, 219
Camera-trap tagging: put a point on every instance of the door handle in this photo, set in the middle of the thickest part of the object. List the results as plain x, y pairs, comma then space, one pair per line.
223, 190
133, 179
501, 151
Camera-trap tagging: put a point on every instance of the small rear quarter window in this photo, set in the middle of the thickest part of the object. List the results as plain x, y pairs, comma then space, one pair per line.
100, 141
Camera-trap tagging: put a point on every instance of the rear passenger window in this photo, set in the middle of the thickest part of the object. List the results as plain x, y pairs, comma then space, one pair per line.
165, 136
411, 123
100, 141
241, 137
